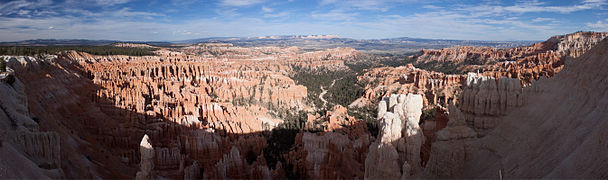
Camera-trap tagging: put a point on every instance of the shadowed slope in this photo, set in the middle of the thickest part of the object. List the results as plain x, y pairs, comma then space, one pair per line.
559, 133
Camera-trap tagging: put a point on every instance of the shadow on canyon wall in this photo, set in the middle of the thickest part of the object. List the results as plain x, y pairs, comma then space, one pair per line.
99, 139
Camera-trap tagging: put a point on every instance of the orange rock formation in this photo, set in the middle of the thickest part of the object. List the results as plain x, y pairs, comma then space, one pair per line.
525, 63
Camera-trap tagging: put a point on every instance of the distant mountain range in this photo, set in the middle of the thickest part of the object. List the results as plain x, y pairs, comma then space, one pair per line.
392, 45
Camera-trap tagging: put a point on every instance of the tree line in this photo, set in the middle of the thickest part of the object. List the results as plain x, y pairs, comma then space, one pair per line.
96, 50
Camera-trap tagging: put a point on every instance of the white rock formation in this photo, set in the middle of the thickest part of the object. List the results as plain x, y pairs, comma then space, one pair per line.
396, 153
147, 159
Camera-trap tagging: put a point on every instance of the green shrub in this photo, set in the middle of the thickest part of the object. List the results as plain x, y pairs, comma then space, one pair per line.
368, 114
427, 115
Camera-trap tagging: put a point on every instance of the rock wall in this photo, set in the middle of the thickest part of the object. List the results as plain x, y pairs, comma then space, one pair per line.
436, 88
25, 150
396, 152
42, 147
483, 104
449, 151
557, 132
526, 63
485, 99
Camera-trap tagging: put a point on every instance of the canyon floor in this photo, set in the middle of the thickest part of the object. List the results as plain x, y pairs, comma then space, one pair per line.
221, 111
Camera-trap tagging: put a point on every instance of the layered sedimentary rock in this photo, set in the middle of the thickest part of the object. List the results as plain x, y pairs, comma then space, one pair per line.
396, 152
558, 132
200, 112
436, 88
526, 63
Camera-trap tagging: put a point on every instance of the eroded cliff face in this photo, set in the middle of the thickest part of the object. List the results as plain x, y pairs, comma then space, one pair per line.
27, 151
526, 63
550, 129
485, 99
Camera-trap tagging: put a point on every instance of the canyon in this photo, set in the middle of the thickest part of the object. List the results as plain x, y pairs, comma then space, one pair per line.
526, 62
223, 111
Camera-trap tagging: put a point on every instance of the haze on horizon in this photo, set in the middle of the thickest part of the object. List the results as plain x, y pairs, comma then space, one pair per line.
159, 20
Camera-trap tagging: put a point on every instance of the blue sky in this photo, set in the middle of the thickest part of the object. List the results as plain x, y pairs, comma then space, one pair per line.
160, 20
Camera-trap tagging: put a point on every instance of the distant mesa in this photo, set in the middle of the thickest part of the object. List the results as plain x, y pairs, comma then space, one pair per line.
215, 44
135, 45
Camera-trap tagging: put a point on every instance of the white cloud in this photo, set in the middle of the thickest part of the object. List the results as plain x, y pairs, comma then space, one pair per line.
110, 2
601, 25
541, 19
335, 15
372, 5
533, 6
183, 32
432, 7
126, 12
276, 15
22, 7
182, 2
267, 9
240, 2
227, 12
446, 25
482, 21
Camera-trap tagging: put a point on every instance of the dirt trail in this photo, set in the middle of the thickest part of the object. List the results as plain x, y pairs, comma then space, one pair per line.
325, 92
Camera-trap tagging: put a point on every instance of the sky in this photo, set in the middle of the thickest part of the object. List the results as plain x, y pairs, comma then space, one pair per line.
171, 20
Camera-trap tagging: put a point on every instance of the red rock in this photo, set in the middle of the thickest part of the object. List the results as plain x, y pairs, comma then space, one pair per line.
526, 63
